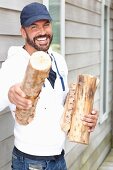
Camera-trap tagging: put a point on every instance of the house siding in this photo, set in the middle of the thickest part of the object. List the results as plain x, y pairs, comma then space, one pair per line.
83, 56
111, 64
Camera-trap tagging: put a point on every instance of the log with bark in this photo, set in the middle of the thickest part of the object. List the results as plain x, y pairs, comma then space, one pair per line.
37, 71
68, 109
79, 102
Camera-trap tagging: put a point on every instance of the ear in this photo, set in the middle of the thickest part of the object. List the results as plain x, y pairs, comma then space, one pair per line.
23, 32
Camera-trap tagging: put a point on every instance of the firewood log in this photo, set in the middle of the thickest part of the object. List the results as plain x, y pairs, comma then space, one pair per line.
83, 98
37, 71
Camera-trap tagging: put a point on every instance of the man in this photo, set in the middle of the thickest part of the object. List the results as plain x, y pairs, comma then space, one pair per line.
40, 144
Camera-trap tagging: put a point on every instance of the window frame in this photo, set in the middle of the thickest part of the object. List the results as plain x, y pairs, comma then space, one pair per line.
104, 115
46, 3
62, 25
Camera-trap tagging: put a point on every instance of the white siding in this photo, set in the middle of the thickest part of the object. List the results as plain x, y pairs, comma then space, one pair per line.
111, 63
83, 55
15, 5
9, 35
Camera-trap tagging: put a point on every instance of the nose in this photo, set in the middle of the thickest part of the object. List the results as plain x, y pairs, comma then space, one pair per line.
42, 31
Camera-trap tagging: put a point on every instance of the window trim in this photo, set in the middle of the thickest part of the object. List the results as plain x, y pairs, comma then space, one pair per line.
62, 25
46, 3
103, 116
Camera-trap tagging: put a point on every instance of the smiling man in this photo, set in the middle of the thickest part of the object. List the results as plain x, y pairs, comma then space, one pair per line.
36, 28
40, 144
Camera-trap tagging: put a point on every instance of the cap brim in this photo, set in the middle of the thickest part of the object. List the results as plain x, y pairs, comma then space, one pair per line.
36, 18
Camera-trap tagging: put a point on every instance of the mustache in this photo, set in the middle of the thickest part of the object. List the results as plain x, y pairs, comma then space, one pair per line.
41, 36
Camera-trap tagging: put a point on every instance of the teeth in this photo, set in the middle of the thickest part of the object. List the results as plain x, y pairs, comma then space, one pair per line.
41, 39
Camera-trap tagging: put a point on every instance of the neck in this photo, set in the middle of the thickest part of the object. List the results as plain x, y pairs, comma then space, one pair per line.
30, 50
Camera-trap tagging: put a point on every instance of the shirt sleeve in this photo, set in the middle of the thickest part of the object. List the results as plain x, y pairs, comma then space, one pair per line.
6, 81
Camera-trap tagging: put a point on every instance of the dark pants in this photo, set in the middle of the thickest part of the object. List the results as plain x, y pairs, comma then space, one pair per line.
22, 161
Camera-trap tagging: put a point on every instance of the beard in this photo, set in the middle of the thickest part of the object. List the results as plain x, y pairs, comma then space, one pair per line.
37, 47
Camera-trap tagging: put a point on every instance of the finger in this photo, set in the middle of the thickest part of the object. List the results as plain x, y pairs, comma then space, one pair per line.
95, 112
19, 91
23, 103
91, 129
19, 106
90, 117
17, 97
21, 98
89, 124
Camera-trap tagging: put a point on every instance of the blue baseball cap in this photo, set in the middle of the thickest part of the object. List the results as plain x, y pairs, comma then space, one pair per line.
34, 12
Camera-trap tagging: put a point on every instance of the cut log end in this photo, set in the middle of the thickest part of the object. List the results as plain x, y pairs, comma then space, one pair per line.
40, 61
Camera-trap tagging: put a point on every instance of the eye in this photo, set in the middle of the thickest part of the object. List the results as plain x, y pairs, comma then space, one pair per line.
33, 26
47, 24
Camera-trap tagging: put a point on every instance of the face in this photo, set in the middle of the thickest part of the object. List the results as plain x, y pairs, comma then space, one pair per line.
38, 36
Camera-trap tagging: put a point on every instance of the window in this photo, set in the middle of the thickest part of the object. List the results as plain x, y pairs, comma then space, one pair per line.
57, 12
104, 62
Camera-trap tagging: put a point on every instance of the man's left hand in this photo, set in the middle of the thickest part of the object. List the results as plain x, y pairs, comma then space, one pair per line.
90, 120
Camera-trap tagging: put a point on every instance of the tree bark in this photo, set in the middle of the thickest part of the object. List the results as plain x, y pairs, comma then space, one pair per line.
37, 71
83, 98
68, 109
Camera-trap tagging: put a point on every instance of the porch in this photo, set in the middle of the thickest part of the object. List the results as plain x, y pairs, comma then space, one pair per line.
108, 162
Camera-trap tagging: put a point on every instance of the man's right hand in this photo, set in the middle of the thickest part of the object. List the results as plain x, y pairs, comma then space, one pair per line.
17, 97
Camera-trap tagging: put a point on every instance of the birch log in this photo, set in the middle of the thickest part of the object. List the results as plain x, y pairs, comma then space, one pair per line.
82, 104
37, 70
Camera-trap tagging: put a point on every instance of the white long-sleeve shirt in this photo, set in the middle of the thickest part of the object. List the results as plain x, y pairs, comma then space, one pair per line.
43, 136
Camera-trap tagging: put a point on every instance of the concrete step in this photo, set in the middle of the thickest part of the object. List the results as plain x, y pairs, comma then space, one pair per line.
108, 162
